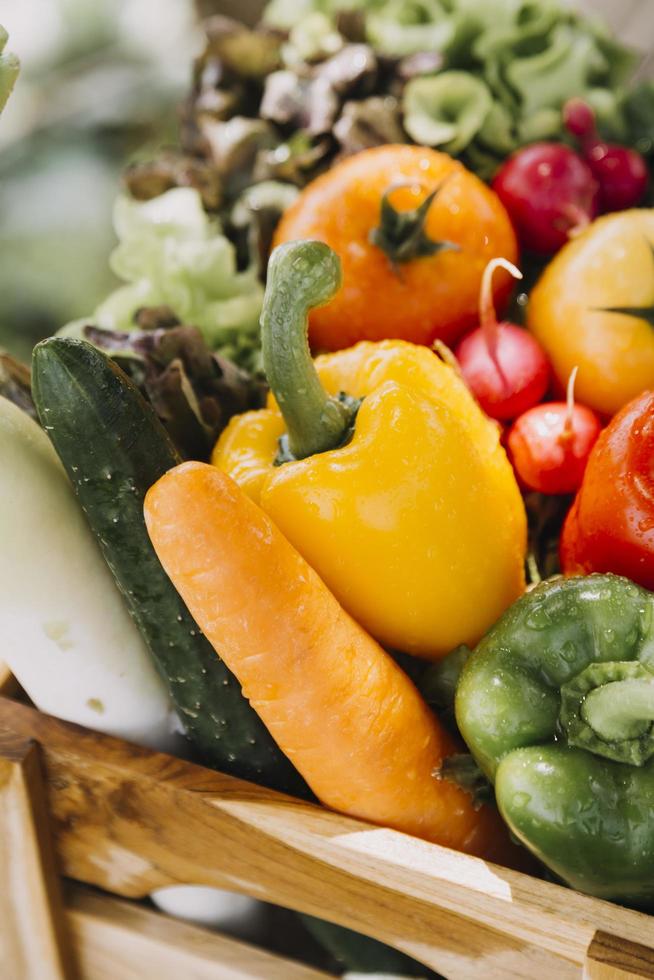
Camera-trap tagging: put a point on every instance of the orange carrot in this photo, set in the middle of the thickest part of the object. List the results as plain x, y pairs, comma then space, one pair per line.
337, 704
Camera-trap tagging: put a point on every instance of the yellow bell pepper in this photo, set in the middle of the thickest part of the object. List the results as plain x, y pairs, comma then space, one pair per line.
404, 503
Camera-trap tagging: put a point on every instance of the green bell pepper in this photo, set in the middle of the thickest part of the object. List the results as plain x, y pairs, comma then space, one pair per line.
556, 705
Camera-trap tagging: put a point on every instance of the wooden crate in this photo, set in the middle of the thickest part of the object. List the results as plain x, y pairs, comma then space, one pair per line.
127, 820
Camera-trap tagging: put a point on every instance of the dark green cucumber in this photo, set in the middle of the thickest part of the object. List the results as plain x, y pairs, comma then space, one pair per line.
114, 448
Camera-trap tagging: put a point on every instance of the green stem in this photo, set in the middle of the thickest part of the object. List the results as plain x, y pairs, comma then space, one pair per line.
621, 710
301, 276
608, 709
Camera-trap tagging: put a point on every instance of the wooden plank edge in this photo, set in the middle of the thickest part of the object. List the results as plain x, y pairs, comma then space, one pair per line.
612, 958
114, 939
33, 939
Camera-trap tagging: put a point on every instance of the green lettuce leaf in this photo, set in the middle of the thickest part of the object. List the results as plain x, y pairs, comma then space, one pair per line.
403, 27
171, 253
9, 68
547, 79
446, 110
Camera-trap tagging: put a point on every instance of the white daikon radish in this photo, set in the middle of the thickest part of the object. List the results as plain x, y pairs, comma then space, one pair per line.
237, 915
65, 632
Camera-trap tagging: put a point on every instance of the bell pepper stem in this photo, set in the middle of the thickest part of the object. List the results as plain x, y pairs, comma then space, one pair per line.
608, 709
621, 710
301, 276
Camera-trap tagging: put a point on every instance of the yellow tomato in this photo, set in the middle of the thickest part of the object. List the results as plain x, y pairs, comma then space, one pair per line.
610, 265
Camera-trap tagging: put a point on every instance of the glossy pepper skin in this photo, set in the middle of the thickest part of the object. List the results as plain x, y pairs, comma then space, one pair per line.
610, 527
416, 523
556, 705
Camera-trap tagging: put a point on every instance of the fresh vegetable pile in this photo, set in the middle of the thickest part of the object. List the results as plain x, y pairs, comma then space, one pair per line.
409, 580
273, 107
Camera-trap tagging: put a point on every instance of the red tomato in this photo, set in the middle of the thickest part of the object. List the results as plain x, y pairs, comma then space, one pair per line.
610, 527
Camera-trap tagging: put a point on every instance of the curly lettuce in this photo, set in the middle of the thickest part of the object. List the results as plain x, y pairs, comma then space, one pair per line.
506, 66
446, 110
172, 253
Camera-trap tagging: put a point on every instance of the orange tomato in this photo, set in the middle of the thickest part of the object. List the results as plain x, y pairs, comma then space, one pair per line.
423, 298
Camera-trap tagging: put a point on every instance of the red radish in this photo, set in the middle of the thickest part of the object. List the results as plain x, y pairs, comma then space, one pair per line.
578, 118
550, 444
503, 365
549, 192
621, 172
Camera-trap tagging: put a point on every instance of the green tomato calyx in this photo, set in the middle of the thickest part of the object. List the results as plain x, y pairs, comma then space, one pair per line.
401, 235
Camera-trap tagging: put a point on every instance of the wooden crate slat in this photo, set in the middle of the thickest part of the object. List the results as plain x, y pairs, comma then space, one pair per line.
130, 820
118, 939
33, 941
610, 958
